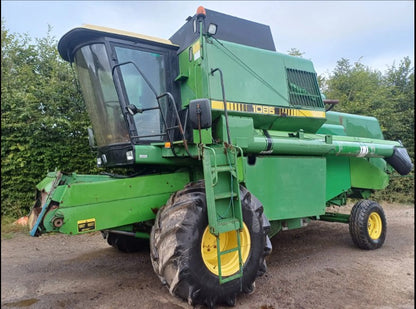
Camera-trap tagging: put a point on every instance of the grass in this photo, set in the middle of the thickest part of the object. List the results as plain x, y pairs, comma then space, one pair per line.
9, 230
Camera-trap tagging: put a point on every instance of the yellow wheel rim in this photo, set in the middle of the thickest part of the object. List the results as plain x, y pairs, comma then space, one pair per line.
230, 261
374, 226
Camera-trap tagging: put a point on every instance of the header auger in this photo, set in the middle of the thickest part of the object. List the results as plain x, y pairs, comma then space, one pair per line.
231, 144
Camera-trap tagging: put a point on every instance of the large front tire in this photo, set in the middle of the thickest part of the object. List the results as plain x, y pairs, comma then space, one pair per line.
177, 244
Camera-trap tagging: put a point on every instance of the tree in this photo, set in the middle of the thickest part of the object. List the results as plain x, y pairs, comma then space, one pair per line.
357, 87
400, 92
295, 52
43, 118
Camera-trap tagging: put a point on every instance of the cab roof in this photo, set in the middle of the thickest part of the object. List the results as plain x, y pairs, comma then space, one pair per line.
77, 36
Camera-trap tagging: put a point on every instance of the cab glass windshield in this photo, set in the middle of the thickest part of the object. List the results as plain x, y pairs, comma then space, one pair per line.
100, 95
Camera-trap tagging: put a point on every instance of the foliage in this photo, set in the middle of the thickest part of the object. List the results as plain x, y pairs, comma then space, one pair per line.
43, 119
9, 229
295, 52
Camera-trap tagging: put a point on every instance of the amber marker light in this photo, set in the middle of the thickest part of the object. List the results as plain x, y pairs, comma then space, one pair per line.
167, 145
201, 11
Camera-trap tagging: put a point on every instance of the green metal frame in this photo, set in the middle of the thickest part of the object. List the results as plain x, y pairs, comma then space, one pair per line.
87, 203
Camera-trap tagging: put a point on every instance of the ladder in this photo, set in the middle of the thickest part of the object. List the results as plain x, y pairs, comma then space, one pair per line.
220, 166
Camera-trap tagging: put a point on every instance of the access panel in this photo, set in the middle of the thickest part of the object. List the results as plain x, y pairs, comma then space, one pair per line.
288, 187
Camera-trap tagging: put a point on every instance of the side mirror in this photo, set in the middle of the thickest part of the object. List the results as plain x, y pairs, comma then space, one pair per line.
199, 115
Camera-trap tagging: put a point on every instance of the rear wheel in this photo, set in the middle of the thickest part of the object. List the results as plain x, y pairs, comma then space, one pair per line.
184, 253
368, 225
125, 243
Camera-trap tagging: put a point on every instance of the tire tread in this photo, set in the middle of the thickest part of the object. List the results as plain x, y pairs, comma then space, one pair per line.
358, 225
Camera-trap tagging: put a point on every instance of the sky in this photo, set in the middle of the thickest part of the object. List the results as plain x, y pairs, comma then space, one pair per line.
377, 33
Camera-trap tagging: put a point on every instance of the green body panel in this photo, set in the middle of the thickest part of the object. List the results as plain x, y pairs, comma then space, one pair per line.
288, 224
338, 177
246, 88
192, 74
241, 130
205, 137
46, 183
111, 202
288, 187
366, 175
331, 129
271, 89
356, 125
149, 154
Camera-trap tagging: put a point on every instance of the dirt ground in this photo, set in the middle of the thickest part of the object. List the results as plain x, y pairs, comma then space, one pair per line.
313, 267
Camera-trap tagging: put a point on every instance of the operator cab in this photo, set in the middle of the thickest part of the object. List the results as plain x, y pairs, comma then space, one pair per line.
120, 74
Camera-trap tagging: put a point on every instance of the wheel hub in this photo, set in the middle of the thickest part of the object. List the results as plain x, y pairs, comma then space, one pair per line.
374, 225
230, 261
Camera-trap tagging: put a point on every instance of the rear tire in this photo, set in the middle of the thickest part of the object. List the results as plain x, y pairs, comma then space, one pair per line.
368, 225
176, 252
125, 243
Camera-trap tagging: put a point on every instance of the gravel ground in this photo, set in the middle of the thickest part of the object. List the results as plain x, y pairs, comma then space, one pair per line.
314, 267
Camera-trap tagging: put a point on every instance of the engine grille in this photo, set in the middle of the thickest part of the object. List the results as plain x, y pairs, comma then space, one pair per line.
303, 89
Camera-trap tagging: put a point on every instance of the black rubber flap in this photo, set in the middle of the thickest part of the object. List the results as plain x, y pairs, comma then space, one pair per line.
400, 161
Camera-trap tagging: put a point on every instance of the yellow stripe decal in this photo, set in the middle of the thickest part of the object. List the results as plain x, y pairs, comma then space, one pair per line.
127, 33
267, 110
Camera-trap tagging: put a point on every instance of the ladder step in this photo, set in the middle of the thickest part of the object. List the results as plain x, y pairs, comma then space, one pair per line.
235, 276
225, 195
223, 168
229, 251
227, 225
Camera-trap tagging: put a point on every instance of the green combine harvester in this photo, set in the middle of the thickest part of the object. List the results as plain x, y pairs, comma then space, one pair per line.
231, 142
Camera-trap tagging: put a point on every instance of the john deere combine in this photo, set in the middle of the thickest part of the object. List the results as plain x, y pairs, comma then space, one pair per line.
231, 143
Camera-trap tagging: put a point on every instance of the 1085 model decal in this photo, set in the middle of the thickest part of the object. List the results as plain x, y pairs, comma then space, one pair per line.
267, 110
